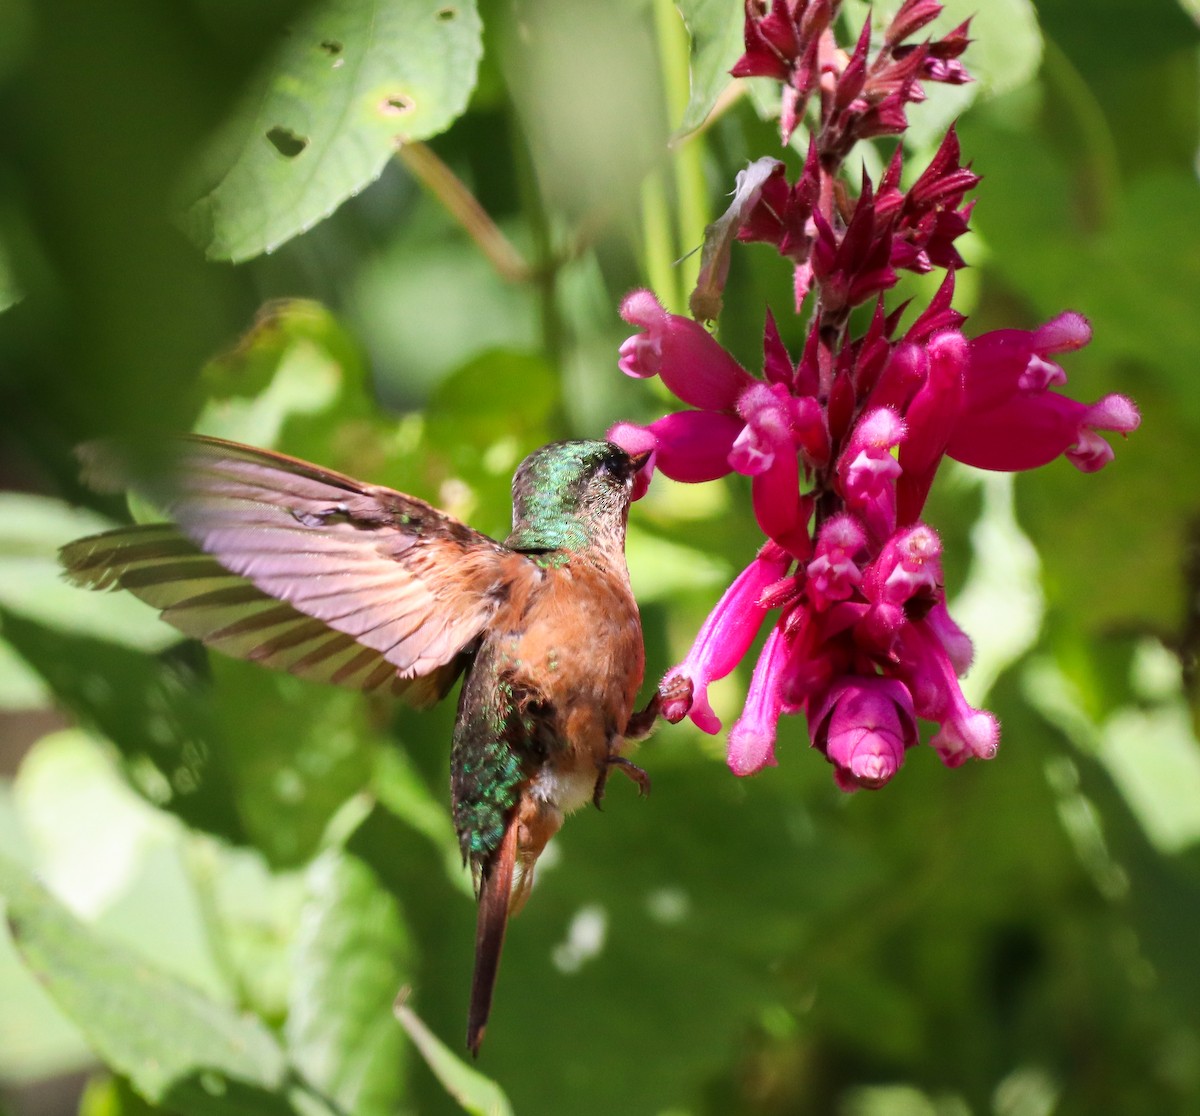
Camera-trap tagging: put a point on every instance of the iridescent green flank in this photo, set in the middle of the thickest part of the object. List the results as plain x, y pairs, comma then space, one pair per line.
485, 762
548, 492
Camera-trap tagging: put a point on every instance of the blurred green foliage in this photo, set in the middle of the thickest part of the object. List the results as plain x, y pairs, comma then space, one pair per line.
239, 871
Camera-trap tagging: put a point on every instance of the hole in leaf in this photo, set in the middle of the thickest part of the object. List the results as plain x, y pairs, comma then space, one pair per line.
286, 142
331, 46
396, 105
447, 14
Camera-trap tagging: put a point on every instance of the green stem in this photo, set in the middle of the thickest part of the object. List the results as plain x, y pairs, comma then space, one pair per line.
1102, 182
658, 245
464, 207
691, 189
544, 272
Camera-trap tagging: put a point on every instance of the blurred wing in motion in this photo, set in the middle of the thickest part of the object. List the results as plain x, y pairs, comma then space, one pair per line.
303, 569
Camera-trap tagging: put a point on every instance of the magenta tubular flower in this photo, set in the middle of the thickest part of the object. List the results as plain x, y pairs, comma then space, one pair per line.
868, 471
908, 566
834, 574
863, 725
690, 446
1013, 421
728, 632
931, 416
683, 353
751, 745
932, 680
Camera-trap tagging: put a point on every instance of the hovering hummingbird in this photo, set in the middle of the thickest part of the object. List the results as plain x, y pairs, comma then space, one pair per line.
297, 567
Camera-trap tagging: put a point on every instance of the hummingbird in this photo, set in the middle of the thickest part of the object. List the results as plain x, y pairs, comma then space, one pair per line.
297, 567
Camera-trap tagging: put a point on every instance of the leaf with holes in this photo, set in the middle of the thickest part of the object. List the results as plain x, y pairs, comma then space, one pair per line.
353, 79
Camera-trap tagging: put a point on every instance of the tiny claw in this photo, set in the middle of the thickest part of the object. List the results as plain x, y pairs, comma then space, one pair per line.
631, 769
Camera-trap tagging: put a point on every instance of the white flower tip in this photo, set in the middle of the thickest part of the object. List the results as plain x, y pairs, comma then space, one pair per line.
873, 770
633, 439
642, 308
880, 428
1114, 412
750, 750
949, 346
1069, 331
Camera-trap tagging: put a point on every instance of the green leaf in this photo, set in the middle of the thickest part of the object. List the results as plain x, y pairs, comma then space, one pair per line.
31, 581
353, 79
295, 752
11, 291
716, 30
659, 569
176, 1046
90, 832
1006, 41
478, 1094
351, 954
150, 708
112, 1096
481, 421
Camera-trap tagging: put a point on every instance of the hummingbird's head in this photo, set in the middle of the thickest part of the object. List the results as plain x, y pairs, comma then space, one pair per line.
572, 496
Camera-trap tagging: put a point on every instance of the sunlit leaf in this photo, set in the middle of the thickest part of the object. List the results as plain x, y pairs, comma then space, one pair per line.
89, 831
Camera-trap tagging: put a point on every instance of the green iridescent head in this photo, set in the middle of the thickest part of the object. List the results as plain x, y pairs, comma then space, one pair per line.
571, 496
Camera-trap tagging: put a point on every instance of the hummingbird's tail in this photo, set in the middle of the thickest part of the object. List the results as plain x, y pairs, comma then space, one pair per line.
495, 889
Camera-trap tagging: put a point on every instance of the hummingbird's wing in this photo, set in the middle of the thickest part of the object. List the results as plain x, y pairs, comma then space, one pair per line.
303, 569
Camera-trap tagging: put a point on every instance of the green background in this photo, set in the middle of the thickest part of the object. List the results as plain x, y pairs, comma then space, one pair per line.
216, 880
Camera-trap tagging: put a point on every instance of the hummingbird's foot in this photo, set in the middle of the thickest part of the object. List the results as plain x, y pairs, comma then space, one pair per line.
643, 720
631, 769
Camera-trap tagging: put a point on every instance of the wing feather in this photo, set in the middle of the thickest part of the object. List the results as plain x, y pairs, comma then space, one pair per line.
303, 569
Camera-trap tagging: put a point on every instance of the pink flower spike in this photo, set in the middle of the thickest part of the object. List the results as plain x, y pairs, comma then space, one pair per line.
728, 632
635, 440
977, 734
690, 361
1006, 361
752, 739
864, 725
777, 365
912, 16
768, 432
1064, 334
1114, 412
900, 379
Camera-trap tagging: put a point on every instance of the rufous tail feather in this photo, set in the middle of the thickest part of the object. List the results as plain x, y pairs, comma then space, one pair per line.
495, 890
